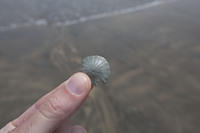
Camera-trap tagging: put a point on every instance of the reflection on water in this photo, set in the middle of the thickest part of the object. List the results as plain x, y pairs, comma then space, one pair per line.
154, 56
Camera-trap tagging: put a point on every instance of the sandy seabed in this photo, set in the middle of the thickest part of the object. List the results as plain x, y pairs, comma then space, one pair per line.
155, 61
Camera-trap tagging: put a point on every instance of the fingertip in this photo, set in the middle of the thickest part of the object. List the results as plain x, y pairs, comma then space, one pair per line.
87, 78
78, 84
65, 127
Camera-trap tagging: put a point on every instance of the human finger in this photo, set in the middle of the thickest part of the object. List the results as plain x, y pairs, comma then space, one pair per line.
64, 127
9, 127
78, 129
50, 110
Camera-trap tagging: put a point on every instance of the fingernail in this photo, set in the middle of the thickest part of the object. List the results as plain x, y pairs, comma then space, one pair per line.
77, 84
78, 129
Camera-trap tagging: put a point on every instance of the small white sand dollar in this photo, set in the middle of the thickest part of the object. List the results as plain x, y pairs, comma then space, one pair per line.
97, 68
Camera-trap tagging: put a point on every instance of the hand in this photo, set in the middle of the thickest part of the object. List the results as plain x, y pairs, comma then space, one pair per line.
51, 113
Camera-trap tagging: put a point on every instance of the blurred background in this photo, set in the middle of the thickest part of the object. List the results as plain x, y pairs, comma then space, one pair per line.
153, 47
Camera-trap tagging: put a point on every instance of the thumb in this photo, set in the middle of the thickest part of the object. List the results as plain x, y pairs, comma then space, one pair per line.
48, 112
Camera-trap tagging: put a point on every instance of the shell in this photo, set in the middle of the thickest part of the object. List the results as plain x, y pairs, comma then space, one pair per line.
97, 68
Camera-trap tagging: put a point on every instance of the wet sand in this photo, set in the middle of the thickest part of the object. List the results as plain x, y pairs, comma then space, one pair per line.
155, 61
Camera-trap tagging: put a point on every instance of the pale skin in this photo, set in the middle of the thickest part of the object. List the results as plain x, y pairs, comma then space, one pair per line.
51, 113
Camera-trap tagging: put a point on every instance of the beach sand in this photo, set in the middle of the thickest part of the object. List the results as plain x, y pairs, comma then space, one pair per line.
155, 60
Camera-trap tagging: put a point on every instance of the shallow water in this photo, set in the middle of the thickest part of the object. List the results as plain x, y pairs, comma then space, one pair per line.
65, 12
154, 56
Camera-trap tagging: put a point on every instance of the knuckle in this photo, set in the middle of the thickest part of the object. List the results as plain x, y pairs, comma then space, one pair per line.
51, 108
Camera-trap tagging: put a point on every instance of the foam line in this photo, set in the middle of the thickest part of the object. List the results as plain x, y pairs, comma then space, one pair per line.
110, 14
43, 22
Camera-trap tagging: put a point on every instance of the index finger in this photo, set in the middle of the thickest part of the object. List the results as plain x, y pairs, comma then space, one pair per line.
45, 115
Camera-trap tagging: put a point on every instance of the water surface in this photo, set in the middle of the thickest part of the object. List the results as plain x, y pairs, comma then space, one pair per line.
154, 55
